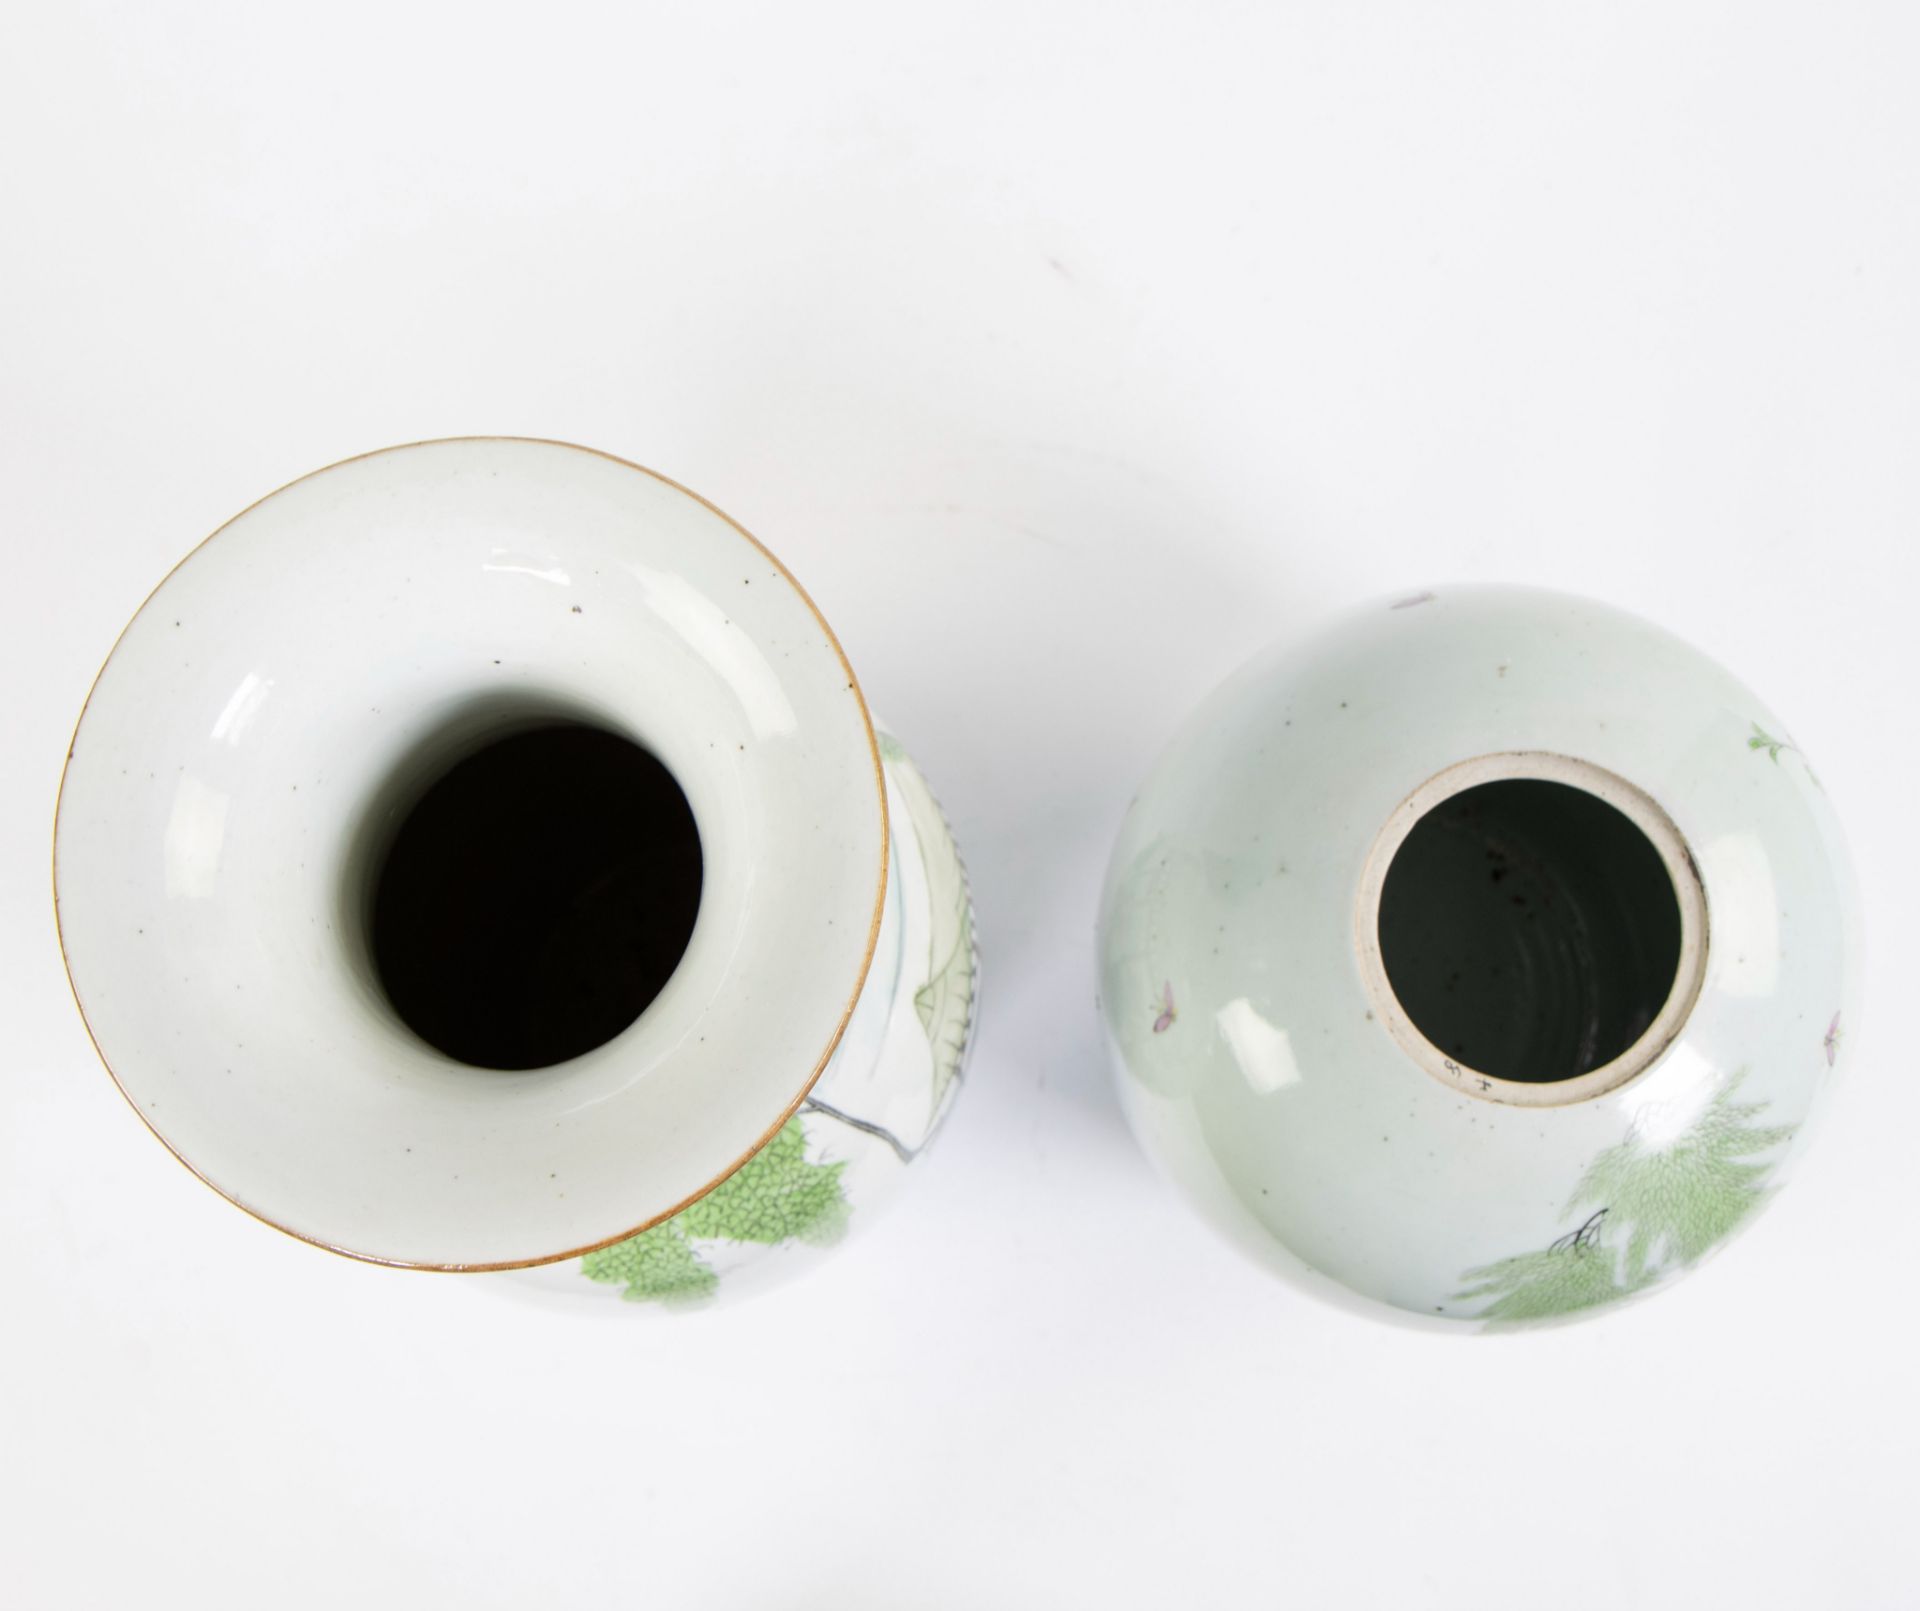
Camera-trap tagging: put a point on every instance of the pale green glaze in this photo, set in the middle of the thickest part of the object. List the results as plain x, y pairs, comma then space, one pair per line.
1252, 1063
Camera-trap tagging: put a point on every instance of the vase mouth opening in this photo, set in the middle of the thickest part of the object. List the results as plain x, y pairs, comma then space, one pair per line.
523, 884
1532, 929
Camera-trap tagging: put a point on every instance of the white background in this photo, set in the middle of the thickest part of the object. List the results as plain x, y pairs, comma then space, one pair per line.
1069, 354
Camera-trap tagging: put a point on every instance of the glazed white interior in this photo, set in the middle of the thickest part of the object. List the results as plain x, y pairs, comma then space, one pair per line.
292, 679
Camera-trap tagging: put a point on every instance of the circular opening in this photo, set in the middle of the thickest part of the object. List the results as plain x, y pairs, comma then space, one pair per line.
1538, 928
536, 898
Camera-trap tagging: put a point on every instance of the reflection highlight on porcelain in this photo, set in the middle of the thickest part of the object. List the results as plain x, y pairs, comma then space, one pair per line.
1264, 1053
242, 707
196, 829
713, 636
1746, 917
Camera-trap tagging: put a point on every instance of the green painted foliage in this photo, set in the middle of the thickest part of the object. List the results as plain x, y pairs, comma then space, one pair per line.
1677, 1203
1653, 1211
776, 1196
1559, 1280
659, 1264
1761, 739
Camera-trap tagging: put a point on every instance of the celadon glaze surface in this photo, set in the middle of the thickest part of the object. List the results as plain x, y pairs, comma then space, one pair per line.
295, 683
873, 1113
1258, 1074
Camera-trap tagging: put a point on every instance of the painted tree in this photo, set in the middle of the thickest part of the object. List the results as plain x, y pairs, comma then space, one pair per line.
1577, 1272
1653, 1209
776, 1196
1676, 1203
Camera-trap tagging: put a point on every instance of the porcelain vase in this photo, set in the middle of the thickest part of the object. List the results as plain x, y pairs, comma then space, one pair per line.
479, 856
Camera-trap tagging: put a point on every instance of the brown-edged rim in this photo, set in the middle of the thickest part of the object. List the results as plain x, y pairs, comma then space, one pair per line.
1683, 872
833, 1042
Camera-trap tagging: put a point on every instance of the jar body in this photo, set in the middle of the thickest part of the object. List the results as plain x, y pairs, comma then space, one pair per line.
1268, 1065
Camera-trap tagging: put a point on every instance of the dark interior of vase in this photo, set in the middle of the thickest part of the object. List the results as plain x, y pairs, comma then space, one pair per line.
1529, 929
536, 897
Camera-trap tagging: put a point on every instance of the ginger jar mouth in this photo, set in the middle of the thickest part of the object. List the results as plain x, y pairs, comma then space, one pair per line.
471, 853
1531, 929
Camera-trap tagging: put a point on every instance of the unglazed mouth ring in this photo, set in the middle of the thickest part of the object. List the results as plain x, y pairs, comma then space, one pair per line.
1639, 808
